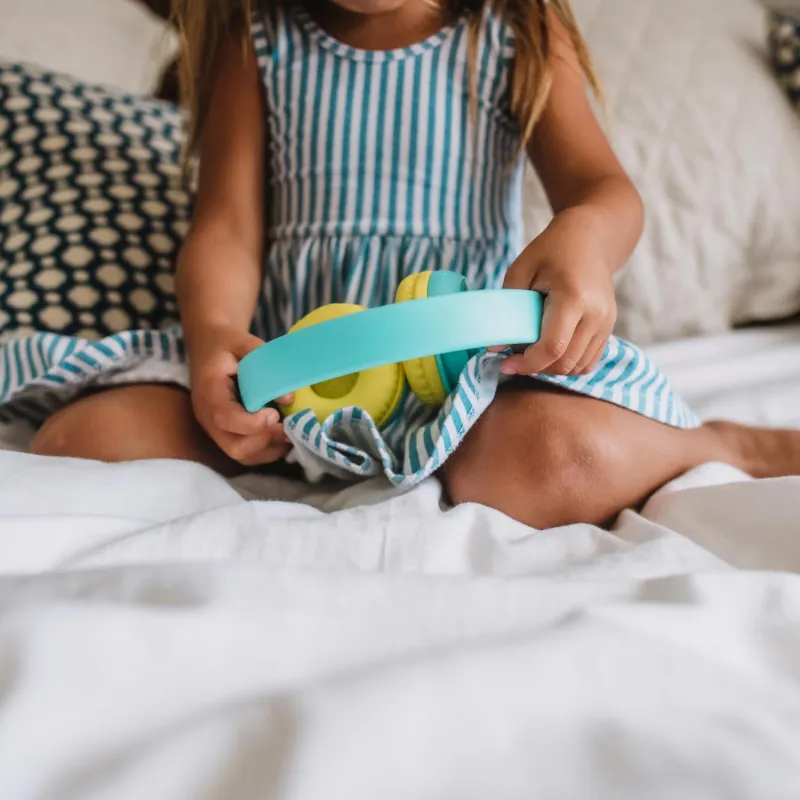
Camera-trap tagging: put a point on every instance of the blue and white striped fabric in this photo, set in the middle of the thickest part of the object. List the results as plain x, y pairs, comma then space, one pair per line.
378, 170
42, 372
418, 442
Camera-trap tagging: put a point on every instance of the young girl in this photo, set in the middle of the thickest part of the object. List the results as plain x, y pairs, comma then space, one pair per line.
346, 144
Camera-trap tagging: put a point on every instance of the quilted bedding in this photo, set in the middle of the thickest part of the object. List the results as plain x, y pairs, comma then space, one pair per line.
162, 637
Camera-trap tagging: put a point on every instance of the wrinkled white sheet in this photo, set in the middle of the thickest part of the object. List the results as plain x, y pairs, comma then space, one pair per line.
162, 637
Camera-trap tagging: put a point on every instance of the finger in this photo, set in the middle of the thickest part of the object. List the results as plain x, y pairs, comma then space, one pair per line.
233, 418
250, 449
285, 400
517, 279
599, 354
227, 362
245, 345
223, 363
559, 321
593, 355
228, 414
582, 340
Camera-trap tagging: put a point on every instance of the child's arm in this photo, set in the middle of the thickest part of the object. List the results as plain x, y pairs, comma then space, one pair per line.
598, 222
220, 269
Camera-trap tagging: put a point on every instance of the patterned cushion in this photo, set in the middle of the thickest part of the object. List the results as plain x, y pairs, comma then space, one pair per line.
93, 206
784, 45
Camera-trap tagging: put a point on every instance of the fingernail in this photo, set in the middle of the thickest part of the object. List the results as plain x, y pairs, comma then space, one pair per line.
272, 416
507, 369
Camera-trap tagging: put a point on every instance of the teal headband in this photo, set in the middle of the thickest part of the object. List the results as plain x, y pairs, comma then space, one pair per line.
388, 335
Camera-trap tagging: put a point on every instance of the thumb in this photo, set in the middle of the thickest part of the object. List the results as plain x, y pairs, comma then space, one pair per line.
245, 344
518, 277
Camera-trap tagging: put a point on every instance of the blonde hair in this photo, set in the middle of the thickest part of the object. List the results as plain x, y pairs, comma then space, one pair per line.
204, 24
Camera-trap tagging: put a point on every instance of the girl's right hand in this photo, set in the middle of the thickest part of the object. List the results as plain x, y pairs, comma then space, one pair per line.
250, 439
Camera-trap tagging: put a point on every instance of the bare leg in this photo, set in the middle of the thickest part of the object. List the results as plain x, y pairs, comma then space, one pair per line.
131, 423
550, 458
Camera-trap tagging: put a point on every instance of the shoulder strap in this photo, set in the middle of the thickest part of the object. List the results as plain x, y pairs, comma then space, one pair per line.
267, 27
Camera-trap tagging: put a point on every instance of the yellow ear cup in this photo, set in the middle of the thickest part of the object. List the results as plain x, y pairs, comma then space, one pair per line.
413, 287
422, 373
378, 391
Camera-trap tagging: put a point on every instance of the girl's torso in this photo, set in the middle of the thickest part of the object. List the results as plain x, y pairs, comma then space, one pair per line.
378, 165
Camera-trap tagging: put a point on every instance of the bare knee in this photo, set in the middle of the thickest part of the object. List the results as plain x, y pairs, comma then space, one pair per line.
127, 424
124, 424
533, 460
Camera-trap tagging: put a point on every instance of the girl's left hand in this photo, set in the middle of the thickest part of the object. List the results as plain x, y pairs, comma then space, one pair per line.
580, 308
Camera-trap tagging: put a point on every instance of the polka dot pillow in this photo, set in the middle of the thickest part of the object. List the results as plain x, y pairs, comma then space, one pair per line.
93, 206
784, 41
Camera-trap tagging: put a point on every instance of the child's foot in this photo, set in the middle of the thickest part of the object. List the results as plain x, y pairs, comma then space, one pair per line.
761, 452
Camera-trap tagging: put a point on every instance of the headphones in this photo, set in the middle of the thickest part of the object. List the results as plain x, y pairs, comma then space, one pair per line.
344, 355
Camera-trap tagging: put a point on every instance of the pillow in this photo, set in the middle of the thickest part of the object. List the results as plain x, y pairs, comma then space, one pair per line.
118, 42
705, 132
93, 206
168, 87
784, 48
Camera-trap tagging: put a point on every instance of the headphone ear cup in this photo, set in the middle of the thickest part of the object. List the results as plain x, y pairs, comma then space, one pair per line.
450, 365
413, 287
425, 380
378, 391
422, 374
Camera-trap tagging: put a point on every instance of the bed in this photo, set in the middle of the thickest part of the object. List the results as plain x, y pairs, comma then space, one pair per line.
167, 634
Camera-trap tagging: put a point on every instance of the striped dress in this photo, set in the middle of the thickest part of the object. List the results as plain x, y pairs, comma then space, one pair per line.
378, 169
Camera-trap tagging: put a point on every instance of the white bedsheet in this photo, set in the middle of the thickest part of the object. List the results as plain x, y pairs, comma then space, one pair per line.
161, 636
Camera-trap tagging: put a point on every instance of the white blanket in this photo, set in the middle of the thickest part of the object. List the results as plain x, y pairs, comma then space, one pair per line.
163, 637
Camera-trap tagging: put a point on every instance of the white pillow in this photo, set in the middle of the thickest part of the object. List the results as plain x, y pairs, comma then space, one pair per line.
712, 143
113, 42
